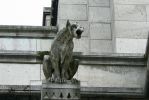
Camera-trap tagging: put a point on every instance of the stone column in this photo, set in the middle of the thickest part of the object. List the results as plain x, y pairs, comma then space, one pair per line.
147, 70
147, 81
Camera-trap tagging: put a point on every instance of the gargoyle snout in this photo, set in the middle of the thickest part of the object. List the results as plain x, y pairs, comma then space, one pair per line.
79, 32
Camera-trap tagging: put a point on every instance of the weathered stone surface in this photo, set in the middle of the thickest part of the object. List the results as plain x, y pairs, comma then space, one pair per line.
81, 45
65, 91
99, 14
82, 73
48, 20
19, 74
17, 44
130, 12
115, 76
105, 3
31, 29
73, 1
130, 45
25, 32
85, 24
147, 10
133, 30
44, 44
100, 31
101, 46
73, 12
35, 83
111, 76
25, 44
131, 1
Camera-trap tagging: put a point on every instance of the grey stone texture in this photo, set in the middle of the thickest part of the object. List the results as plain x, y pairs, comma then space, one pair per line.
80, 12
25, 44
94, 71
102, 3
131, 30
100, 31
131, 1
104, 73
26, 38
147, 10
130, 12
97, 14
18, 44
18, 41
124, 45
19, 74
81, 45
26, 29
131, 25
65, 91
108, 76
101, 46
48, 20
44, 44
73, 1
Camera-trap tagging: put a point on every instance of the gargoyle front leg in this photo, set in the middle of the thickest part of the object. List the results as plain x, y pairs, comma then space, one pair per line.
64, 68
73, 68
47, 66
56, 74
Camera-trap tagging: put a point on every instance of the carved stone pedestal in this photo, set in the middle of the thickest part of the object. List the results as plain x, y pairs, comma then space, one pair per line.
60, 91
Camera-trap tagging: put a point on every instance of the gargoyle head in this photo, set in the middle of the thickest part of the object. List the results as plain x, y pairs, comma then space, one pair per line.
75, 29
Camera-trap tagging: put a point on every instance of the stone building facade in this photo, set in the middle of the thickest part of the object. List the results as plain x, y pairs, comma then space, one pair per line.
113, 61
112, 26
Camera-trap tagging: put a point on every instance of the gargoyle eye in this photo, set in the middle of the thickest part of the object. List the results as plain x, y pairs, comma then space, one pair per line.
73, 26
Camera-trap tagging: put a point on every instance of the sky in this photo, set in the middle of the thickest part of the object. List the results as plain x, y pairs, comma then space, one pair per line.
22, 12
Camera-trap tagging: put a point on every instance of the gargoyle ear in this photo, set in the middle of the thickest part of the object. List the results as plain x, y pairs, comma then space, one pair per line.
67, 24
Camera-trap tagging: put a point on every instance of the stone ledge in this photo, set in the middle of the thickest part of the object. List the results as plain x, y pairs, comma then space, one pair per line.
18, 57
112, 59
85, 59
85, 91
112, 91
28, 31
14, 28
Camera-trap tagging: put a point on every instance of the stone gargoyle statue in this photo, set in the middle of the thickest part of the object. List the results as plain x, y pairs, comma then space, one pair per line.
59, 65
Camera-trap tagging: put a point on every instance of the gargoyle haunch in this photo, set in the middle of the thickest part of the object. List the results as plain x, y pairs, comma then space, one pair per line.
59, 65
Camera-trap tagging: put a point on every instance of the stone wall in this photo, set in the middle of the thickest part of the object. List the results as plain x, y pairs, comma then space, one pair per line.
111, 26
95, 16
25, 44
19, 74
25, 38
124, 74
131, 25
15, 43
104, 73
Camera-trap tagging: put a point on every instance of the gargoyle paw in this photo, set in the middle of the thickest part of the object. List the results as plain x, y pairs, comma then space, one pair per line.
63, 80
51, 79
74, 80
57, 80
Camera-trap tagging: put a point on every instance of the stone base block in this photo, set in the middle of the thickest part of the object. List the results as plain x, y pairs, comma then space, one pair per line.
60, 91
